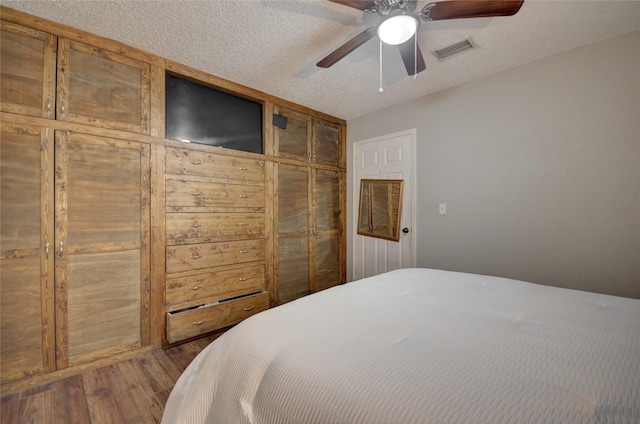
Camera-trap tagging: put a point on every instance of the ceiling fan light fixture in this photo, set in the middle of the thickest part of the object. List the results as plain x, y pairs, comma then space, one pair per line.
397, 29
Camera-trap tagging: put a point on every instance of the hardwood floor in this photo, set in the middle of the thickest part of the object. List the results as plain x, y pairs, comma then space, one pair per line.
131, 391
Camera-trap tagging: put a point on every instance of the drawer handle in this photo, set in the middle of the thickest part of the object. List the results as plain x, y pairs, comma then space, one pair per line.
244, 196
242, 168
196, 256
196, 163
249, 308
245, 278
195, 288
242, 224
197, 193
198, 322
196, 225
245, 251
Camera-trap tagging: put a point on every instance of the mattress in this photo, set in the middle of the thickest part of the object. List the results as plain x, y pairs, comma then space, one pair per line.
423, 346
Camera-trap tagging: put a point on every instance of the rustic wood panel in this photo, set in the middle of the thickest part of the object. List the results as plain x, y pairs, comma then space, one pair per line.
190, 323
27, 70
207, 255
207, 164
293, 200
293, 268
182, 228
213, 286
101, 88
328, 208
102, 247
26, 269
21, 352
327, 142
104, 191
190, 193
294, 141
327, 261
20, 183
103, 304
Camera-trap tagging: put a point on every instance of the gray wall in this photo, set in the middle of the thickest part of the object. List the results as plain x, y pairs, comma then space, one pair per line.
539, 167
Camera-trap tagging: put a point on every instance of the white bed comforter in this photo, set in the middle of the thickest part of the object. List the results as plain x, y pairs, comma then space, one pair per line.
423, 346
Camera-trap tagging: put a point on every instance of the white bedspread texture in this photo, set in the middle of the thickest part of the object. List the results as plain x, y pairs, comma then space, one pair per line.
423, 346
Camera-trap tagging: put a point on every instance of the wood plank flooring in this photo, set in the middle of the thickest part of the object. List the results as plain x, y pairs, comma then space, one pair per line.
131, 391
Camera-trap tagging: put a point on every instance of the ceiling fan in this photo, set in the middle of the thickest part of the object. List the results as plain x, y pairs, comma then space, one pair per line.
400, 23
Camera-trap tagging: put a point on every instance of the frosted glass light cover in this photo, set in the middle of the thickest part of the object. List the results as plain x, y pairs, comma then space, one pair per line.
397, 29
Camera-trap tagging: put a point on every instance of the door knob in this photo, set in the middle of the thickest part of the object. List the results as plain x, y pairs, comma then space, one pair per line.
405, 230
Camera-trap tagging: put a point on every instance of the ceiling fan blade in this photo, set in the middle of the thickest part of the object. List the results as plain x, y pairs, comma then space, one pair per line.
357, 4
459, 9
409, 51
347, 47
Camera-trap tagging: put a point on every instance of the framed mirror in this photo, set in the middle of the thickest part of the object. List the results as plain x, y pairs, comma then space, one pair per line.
380, 208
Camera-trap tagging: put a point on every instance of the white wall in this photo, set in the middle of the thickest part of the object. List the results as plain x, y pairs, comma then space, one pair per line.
539, 167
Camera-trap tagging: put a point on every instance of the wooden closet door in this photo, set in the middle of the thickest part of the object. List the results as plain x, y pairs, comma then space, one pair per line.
100, 88
327, 224
102, 246
27, 70
293, 227
26, 269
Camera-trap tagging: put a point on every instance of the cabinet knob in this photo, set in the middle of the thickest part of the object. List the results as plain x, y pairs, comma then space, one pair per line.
198, 322
249, 308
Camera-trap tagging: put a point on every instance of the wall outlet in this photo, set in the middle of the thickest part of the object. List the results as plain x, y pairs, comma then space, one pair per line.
442, 209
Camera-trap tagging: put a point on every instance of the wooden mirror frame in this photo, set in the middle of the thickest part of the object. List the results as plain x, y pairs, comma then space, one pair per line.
380, 208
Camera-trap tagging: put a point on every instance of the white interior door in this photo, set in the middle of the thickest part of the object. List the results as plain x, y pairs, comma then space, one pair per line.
387, 157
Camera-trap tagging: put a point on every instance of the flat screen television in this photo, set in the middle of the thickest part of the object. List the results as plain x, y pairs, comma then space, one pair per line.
200, 114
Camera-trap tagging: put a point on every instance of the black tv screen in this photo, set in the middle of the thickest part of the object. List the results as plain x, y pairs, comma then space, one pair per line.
200, 114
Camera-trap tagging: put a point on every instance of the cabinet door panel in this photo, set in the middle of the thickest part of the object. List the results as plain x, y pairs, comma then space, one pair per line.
293, 141
103, 304
21, 315
293, 200
327, 261
27, 70
327, 201
327, 143
100, 88
102, 246
26, 271
293, 268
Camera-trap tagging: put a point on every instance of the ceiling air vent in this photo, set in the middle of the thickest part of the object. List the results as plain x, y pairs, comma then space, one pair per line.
453, 49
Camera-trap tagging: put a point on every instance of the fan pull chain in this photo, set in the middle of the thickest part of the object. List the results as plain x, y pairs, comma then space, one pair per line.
415, 56
380, 89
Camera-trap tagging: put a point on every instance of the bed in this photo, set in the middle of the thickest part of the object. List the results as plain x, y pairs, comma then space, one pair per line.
423, 346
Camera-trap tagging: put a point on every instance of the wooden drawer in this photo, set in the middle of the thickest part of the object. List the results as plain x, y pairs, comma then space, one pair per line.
207, 227
188, 291
194, 322
208, 255
189, 193
193, 162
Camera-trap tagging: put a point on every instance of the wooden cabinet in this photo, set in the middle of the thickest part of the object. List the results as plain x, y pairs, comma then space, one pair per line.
101, 88
88, 251
27, 70
309, 231
102, 246
26, 258
215, 234
93, 86
309, 138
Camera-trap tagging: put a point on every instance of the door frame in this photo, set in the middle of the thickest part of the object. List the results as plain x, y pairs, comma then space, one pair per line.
356, 189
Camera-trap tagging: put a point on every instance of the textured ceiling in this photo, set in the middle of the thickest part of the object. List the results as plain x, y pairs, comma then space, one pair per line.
273, 45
